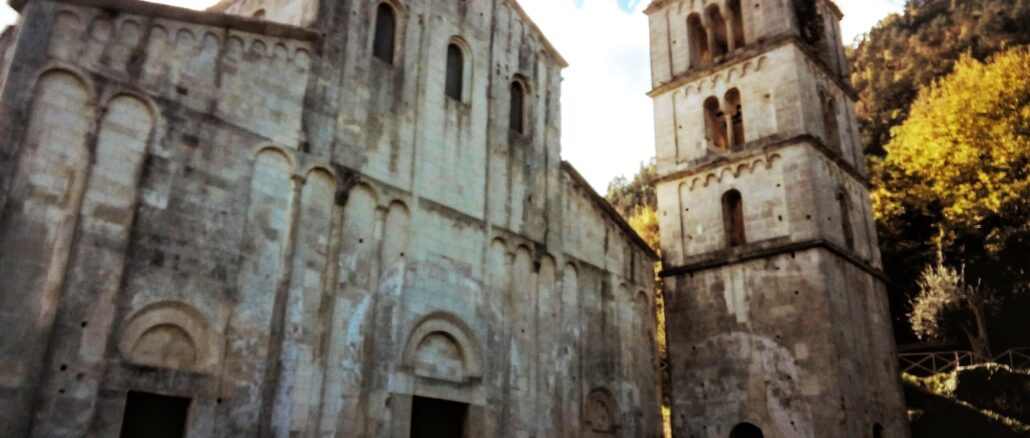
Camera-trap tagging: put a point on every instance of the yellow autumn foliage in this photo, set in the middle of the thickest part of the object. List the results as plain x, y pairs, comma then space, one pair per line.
963, 155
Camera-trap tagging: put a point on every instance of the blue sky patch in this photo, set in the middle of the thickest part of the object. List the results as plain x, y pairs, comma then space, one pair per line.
628, 6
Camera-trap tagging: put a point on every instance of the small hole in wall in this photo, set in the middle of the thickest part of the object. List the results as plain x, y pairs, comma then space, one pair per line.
779, 185
793, 255
60, 391
781, 218
64, 367
361, 240
84, 324
808, 216
402, 254
218, 400
80, 376
797, 292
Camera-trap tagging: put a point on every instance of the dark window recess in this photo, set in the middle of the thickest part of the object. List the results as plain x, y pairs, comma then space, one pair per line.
431, 418
698, 41
386, 32
154, 416
737, 21
715, 124
733, 218
455, 72
517, 114
830, 127
877, 431
845, 220
736, 117
746, 430
720, 41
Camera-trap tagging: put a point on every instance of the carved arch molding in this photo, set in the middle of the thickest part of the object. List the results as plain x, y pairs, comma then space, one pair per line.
170, 334
443, 347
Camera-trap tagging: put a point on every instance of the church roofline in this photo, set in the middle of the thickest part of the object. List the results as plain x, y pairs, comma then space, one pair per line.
208, 18
543, 38
607, 208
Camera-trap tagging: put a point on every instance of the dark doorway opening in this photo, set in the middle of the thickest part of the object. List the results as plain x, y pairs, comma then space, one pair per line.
154, 416
432, 418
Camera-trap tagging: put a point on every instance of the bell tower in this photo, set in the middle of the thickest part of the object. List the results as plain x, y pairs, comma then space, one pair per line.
778, 323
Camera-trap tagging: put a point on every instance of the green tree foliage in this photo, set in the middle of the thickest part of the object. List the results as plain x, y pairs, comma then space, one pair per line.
907, 52
956, 179
948, 307
628, 196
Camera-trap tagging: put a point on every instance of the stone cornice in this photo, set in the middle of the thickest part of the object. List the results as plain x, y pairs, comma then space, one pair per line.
761, 250
214, 19
761, 147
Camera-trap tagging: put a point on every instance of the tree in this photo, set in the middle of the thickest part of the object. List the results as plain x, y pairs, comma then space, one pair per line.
947, 304
956, 178
905, 53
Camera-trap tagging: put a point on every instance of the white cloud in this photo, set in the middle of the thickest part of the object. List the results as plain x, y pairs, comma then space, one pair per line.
607, 127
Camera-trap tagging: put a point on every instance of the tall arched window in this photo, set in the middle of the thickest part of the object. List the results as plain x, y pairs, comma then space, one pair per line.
733, 218
830, 128
697, 39
720, 42
845, 219
715, 123
746, 430
385, 33
736, 117
517, 110
737, 23
455, 71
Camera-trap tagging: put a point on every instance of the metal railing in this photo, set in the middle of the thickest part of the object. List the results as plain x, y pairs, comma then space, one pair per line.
927, 364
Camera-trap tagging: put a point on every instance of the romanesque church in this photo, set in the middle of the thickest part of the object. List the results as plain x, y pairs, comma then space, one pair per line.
350, 218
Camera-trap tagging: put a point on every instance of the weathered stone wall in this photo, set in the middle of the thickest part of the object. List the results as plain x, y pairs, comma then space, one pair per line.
301, 238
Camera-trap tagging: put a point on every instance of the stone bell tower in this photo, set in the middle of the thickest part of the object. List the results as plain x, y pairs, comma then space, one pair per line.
778, 323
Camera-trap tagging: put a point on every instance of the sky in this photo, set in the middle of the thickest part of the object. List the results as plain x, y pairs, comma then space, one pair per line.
607, 124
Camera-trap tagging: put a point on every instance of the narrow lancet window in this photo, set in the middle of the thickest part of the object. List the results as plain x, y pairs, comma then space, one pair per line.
455, 71
830, 128
517, 114
386, 32
720, 42
845, 219
715, 124
735, 114
698, 41
733, 218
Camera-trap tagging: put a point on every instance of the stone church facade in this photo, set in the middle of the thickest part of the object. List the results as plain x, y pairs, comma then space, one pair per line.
778, 322
306, 218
